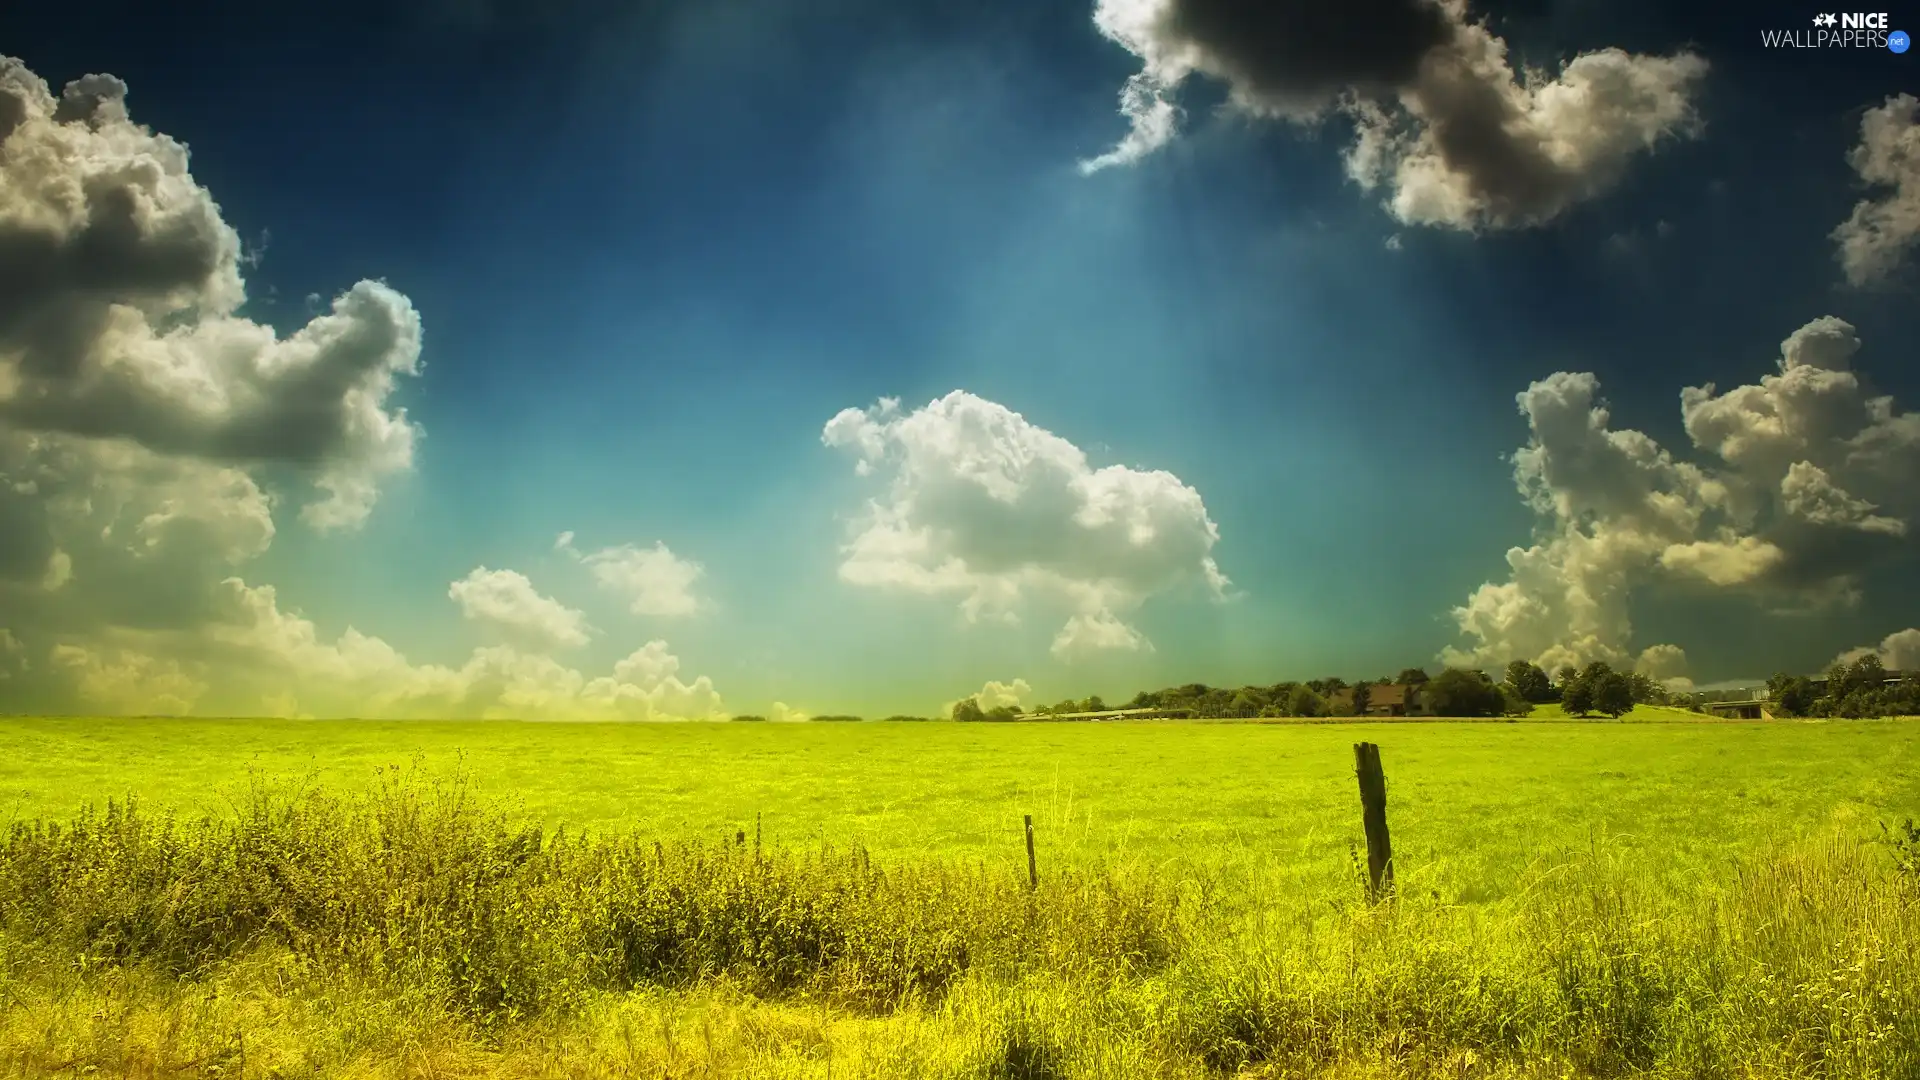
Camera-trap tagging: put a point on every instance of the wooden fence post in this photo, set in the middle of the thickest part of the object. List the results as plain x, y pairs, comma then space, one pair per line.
1373, 813
1033, 870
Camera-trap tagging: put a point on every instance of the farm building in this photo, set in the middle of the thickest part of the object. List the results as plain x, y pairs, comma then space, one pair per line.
1391, 699
1396, 699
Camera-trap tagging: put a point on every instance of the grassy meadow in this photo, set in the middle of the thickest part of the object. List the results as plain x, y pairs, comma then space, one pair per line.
304, 898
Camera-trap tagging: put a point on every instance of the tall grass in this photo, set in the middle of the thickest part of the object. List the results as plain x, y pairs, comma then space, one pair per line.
416, 929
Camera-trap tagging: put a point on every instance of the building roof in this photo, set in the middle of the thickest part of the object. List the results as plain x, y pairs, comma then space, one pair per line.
1388, 696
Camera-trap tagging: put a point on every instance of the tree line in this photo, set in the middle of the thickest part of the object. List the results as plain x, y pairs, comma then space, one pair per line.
1861, 688
1853, 691
1596, 688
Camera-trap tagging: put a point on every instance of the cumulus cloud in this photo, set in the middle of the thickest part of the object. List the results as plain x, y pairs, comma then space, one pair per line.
652, 581
1812, 483
142, 417
253, 655
142, 420
13, 654
1443, 121
119, 288
997, 695
1877, 237
1898, 651
1664, 664
1089, 633
507, 601
982, 505
784, 713
128, 681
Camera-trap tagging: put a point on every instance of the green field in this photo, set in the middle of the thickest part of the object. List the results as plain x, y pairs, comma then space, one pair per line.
1577, 899
1472, 804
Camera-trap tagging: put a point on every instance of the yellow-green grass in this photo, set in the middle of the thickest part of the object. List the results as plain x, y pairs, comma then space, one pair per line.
1472, 806
409, 931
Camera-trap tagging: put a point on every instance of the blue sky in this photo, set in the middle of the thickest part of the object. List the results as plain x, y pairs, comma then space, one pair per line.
654, 249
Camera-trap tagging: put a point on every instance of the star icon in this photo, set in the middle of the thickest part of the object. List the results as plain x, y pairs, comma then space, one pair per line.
1824, 20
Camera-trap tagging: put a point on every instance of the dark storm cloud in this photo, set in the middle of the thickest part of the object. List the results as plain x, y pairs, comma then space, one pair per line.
1442, 122
1302, 53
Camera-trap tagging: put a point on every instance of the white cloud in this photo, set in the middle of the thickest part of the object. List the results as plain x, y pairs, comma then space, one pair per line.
1898, 651
1812, 485
1724, 562
507, 601
125, 681
13, 654
1153, 120
1808, 492
982, 505
1087, 634
1657, 661
277, 659
1877, 237
651, 581
997, 695
784, 713
1442, 119
1666, 665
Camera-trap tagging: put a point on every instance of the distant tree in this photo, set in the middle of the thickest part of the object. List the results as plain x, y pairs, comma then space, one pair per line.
1245, 704
1458, 692
1612, 693
1515, 703
748, 718
1094, 704
1903, 699
1857, 690
903, 719
1529, 681
1328, 686
1362, 697
1412, 676
1791, 695
1304, 702
1003, 713
1649, 691
1576, 693
968, 710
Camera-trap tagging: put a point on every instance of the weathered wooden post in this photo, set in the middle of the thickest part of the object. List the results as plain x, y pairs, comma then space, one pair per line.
1033, 869
1373, 813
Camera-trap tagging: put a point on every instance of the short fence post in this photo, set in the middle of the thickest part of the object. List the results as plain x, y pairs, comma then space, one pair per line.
1373, 813
1033, 870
